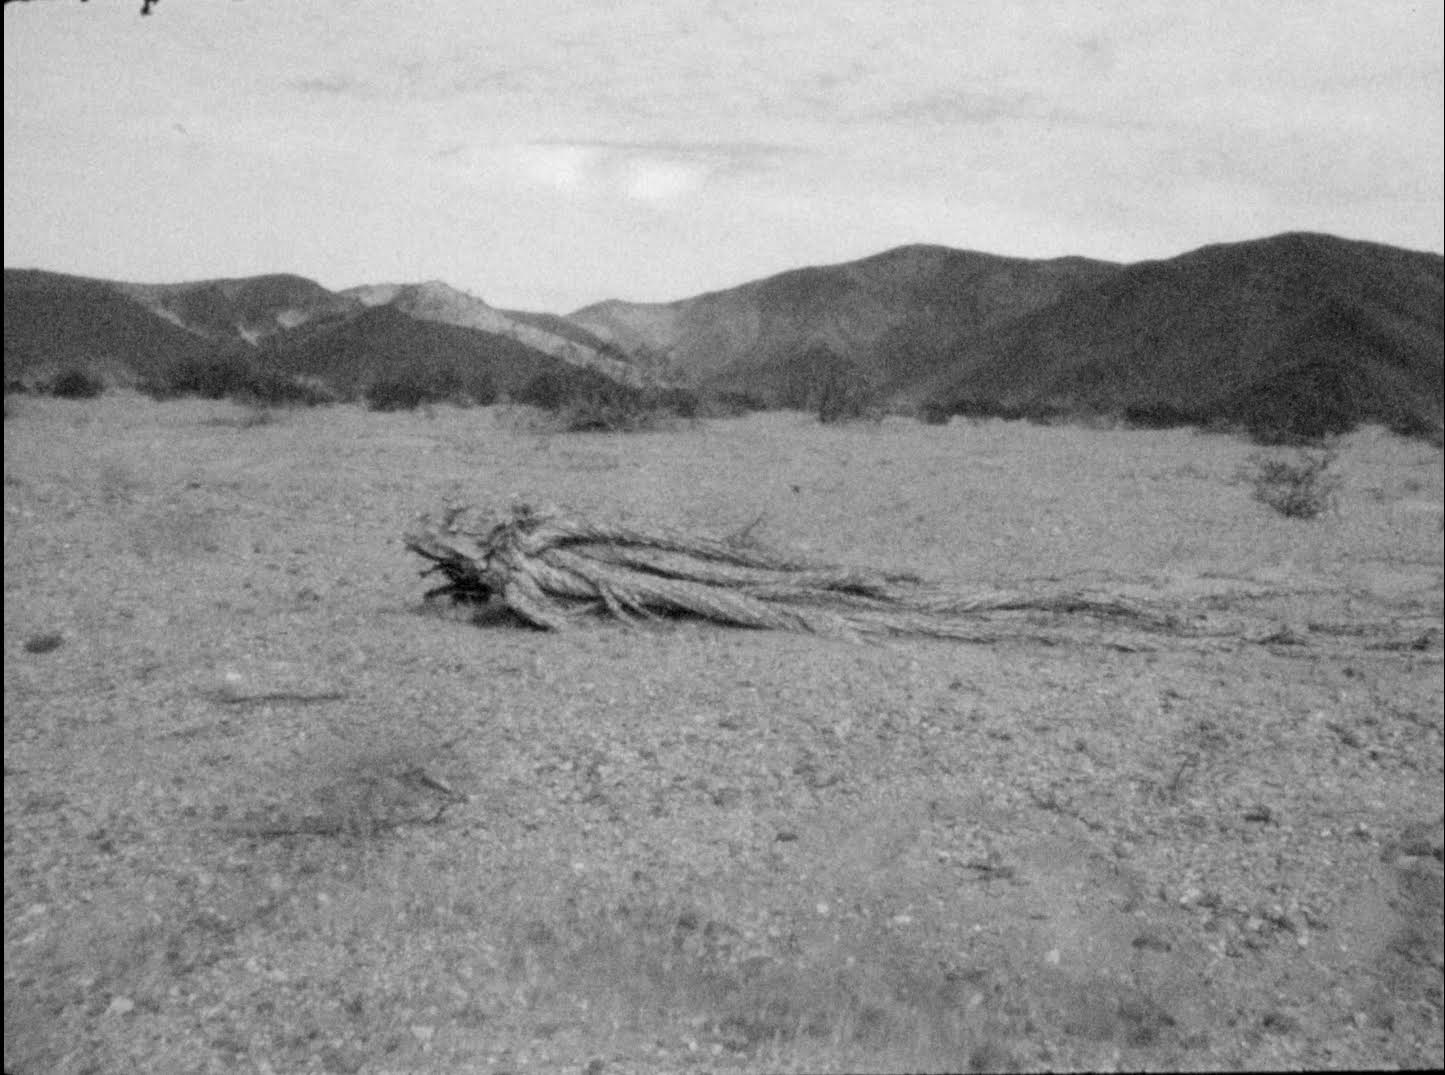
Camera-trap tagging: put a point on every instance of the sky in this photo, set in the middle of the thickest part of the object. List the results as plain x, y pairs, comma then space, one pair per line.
547, 154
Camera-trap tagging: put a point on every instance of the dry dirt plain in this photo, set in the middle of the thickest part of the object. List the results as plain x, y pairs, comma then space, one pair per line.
695, 848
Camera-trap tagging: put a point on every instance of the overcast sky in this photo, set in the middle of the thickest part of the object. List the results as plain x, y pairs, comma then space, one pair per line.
545, 154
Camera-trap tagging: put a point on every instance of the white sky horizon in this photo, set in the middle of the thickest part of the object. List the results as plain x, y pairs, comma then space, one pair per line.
554, 154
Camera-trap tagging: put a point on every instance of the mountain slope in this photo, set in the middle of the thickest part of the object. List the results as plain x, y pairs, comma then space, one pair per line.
254, 309
443, 304
1296, 330
385, 343
248, 309
888, 315
1239, 331
54, 321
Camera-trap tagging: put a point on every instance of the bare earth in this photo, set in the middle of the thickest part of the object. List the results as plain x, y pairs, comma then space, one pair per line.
230, 724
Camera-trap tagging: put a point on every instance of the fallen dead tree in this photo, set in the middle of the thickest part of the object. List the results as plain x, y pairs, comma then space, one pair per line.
549, 567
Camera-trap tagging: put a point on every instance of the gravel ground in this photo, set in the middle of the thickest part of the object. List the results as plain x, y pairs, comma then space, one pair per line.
266, 811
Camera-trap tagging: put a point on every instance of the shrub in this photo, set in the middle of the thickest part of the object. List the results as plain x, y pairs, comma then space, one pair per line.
934, 413
77, 384
548, 390
239, 378
1299, 487
584, 401
397, 394
614, 408
1157, 414
845, 395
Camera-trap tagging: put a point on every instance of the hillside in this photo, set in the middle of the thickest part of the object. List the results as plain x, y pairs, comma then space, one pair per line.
1297, 332
383, 343
1293, 331
130, 333
1258, 332
885, 314
54, 321
248, 309
441, 303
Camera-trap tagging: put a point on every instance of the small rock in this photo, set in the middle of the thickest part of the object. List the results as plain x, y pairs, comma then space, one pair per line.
120, 1006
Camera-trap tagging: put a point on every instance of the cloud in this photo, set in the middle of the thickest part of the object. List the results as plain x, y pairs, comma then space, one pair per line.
653, 173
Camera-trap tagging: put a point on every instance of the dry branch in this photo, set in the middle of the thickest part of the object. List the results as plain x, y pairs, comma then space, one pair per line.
549, 567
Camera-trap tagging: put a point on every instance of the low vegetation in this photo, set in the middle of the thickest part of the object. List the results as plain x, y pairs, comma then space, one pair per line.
1299, 486
77, 384
241, 379
583, 401
846, 395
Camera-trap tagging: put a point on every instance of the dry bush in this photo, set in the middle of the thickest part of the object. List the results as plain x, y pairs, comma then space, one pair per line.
587, 402
77, 384
1298, 486
846, 395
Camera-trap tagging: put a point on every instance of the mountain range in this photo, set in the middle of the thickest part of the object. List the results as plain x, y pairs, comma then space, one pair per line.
1293, 329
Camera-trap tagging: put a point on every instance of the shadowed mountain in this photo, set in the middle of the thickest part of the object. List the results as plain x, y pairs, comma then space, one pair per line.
1295, 331
444, 304
248, 309
384, 343
288, 325
55, 322
892, 316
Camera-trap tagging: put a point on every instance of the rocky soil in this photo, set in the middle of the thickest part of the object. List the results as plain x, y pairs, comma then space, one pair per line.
266, 811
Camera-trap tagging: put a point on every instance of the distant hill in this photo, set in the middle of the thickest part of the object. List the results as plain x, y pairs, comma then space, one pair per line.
248, 309
1290, 331
1297, 326
1297, 332
438, 302
129, 333
55, 322
892, 315
382, 343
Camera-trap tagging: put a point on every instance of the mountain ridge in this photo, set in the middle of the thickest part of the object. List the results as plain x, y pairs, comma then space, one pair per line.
1299, 327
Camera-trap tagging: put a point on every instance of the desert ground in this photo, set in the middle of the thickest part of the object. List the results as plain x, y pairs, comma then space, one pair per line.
266, 810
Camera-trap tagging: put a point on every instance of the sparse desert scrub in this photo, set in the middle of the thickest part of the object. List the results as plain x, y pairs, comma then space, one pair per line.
934, 413
398, 394
846, 395
685, 847
237, 377
1298, 486
581, 401
77, 384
